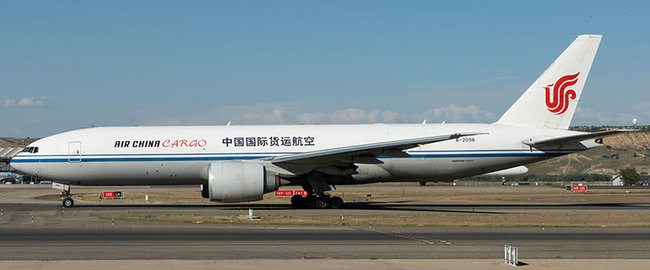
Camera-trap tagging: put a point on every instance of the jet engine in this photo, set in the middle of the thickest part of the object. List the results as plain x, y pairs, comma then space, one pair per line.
238, 181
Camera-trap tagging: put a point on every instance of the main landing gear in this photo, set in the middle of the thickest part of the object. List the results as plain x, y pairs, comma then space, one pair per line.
316, 184
320, 202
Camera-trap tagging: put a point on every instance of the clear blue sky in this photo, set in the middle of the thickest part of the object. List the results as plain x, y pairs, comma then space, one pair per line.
71, 64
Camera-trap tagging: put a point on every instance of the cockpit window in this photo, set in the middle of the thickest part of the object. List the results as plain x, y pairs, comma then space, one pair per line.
31, 149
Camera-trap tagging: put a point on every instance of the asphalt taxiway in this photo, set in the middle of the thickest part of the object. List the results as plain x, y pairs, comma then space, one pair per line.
135, 240
36, 229
48, 233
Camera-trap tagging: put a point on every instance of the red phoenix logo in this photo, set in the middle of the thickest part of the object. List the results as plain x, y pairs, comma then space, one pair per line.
558, 101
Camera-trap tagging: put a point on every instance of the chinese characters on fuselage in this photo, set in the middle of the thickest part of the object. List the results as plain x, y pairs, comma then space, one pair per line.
268, 141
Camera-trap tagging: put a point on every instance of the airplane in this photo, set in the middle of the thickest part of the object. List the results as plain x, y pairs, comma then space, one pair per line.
241, 163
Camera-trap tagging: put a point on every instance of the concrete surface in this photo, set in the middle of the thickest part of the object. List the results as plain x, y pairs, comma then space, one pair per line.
100, 240
79, 238
328, 264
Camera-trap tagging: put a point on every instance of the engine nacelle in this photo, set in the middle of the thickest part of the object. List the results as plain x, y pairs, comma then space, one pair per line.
238, 181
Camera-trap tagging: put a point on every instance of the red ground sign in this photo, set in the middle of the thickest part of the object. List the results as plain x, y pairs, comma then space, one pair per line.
300, 192
578, 188
289, 193
284, 193
112, 194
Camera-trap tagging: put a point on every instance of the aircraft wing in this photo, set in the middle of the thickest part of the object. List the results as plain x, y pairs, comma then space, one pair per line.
364, 153
572, 138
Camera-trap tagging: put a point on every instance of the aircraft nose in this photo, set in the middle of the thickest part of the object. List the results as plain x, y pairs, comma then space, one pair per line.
15, 165
22, 167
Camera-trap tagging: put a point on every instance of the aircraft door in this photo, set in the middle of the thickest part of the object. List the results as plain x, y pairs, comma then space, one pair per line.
74, 152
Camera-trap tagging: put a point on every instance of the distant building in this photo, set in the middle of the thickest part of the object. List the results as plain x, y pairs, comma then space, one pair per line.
617, 181
644, 180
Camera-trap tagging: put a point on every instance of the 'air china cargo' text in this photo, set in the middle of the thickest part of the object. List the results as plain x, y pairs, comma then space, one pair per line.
169, 143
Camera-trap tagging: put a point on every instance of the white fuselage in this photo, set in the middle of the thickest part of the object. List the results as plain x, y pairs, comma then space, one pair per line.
181, 155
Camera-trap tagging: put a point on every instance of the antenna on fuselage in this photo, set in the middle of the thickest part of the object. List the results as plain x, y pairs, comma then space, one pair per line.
424, 122
228, 124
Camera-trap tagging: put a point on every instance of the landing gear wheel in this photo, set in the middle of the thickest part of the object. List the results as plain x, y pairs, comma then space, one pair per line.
322, 202
310, 202
336, 202
68, 202
297, 201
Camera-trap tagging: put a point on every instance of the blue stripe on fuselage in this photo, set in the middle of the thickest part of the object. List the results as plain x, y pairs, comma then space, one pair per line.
134, 158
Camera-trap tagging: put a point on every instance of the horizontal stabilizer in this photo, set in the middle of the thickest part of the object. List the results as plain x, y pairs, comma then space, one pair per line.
572, 138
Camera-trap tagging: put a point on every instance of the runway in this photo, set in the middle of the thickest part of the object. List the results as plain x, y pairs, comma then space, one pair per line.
35, 228
206, 241
351, 209
51, 239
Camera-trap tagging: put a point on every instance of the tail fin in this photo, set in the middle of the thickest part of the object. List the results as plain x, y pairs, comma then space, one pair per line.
552, 99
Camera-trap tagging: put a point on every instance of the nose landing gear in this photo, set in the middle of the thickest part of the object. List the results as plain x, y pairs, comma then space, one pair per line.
67, 202
65, 194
